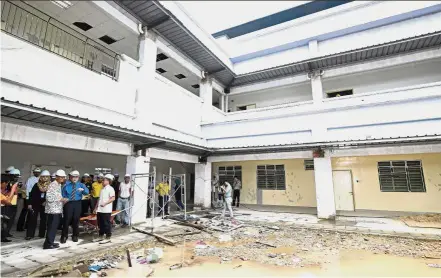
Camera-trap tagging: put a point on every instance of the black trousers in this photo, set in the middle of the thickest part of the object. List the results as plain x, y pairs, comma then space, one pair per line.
23, 219
236, 196
163, 204
104, 224
32, 226
11, 211
71, 215
85, 207
93, 202
4, 221
149, 209
52, 224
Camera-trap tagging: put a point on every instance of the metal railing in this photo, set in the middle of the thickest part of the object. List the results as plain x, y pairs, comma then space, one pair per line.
27, 26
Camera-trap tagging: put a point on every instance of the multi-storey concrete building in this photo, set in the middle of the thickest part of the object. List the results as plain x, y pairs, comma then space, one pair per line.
329, 107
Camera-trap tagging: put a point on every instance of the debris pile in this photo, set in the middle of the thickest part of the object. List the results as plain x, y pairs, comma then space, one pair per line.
222, 225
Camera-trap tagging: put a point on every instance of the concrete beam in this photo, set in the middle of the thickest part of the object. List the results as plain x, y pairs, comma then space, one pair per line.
129, 22
171, 155
269, 84
20, 133
387, 150
261, 156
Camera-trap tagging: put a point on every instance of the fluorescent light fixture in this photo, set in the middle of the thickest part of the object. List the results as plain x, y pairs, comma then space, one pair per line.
63, 4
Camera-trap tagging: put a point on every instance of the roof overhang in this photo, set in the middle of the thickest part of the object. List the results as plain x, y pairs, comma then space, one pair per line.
51, 118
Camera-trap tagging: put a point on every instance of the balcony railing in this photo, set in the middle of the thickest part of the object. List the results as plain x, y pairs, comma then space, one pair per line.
43, 33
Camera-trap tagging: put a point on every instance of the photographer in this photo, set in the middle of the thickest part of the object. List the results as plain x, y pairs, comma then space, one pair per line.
11, 209
6, 201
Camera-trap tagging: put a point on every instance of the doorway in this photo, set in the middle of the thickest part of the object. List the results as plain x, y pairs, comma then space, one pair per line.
343, 190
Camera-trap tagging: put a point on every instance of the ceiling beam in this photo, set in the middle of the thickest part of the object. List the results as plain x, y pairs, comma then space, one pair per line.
139, 147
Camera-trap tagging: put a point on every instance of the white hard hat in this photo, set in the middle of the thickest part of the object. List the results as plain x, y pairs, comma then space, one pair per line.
127, 176
37, 170
100, 175
86, 175
45, 173
74, 173
60, 173
10, 168
109, 177
15, 172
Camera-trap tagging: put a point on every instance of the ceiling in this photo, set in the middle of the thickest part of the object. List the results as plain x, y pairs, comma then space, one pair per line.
102, 24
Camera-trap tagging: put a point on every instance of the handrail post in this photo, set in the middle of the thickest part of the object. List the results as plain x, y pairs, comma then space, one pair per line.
45, 32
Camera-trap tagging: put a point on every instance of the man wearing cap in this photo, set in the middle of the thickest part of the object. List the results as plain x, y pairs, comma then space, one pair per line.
24, 214
104, 208
85, 202
73, 191
54, 208
115, 185
96, 189
125, 191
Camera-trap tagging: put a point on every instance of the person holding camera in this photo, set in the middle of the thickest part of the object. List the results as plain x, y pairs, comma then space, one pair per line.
226, 189
11, 209
6, 200
36, 202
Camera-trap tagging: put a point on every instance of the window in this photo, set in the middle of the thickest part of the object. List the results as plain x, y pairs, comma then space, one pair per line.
227, 173
246, 107
309, 164
161, 57
107, 39
340, 93
196, 86
271, 177
82, 25
180, 76
161, 70
401, 176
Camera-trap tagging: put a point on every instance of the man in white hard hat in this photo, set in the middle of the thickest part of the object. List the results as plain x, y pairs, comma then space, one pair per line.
104, 208
25, 214
125, 191
54, 209
115, 185
73, 191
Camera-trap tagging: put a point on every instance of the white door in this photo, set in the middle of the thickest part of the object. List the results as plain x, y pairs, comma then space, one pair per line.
344, 196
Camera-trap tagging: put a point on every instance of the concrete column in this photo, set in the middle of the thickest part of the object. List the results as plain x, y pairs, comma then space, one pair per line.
147, 50
222, 102
139, 165
206, 93
317, 90
202, 194
324, 188
226, 103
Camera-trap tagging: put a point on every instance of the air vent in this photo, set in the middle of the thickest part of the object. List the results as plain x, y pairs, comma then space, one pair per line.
196, 86
161, 70
83, 26
107, 39
161, 57
180, 76
309, 164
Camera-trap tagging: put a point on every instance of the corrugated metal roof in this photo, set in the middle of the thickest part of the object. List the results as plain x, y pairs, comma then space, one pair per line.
344, 58
30, 113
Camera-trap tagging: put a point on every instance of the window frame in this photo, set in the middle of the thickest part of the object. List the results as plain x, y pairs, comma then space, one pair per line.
229, 177
394, 171
274, 174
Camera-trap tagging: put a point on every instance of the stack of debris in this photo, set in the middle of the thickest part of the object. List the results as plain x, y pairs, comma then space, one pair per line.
181, 217
223, 225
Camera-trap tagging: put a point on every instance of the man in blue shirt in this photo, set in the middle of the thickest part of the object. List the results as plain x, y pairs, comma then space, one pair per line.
73, 190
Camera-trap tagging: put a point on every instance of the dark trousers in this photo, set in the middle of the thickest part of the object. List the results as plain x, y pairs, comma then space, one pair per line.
149, 209
85, 207
52, 224
236, 196
71, 215
104, 224
4, 221
180, 204
11, 211
93, 202
163, 204
32, 226
23, 219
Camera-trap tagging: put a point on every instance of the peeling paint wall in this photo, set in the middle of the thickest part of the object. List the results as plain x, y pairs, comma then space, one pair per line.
367, 194
300, 188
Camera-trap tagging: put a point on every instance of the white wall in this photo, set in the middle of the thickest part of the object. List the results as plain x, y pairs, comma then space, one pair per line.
273, 96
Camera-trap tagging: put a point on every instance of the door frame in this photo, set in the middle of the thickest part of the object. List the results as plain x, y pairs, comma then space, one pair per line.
352, 186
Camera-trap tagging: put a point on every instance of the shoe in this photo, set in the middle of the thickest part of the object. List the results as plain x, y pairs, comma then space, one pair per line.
28, 238
167, 214
9, 235
6, 240
117, 222
50, 247
56, 244
75, 239
124, 225
108, 237
63, 240
41, 236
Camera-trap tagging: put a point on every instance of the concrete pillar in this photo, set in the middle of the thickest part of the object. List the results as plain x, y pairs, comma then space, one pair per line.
222, 102
147, 50
206, 93
139, 165
202, 194
317, 90
226, 103
324, 188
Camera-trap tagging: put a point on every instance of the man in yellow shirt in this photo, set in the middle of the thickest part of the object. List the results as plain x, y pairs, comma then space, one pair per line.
163, 190
96, 190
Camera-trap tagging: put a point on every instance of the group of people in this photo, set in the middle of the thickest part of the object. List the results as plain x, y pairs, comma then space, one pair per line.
225, 195
59, 203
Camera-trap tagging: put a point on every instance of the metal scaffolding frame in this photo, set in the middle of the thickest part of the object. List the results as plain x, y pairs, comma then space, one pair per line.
172, 192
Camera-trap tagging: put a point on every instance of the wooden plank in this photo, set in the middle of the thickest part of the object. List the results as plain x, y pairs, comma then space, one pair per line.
158, 237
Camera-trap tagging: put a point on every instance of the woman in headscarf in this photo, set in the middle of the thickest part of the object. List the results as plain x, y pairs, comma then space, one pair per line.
37, 199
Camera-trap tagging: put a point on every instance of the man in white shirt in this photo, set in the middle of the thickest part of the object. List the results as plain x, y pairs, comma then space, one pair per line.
23, 201
104, 208
226, 189
125, 191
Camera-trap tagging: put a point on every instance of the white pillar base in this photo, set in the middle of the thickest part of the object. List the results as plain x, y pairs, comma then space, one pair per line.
202, 194
139, 165
324, 188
